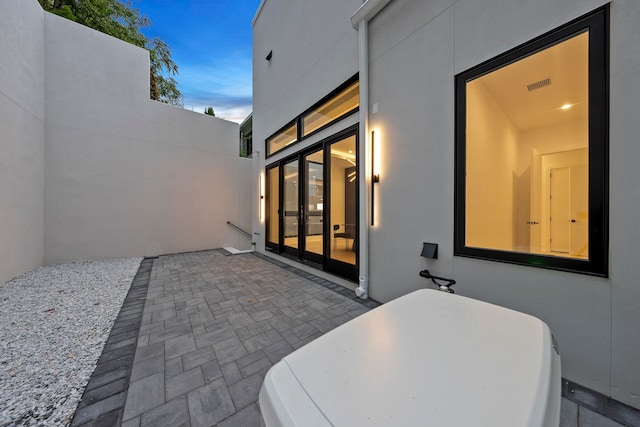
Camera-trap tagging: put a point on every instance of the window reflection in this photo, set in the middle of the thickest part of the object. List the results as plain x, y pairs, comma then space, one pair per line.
282, 139
343, 244
344, 102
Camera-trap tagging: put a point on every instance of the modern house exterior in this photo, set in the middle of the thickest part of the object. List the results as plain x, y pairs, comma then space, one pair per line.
504, 132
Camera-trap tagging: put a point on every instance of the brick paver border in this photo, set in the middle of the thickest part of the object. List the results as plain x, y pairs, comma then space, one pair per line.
102, 403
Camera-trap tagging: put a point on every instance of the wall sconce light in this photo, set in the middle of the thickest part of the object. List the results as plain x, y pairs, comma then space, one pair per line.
261, 200
375, 159
269, 55
375, 173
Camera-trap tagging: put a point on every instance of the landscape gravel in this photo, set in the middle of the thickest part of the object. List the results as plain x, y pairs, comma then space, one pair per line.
54, 322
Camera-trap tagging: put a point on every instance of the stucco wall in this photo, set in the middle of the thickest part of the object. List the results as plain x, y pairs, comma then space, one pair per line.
91, 168
625, 201
455, 37
127, 176
21, 137
416, 49
312, 42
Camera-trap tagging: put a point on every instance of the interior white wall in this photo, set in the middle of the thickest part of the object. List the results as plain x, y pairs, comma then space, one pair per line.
492, 144
127, 176
416, 49
21, 137
338, 167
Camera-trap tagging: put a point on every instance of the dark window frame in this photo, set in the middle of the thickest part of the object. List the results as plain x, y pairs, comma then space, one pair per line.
278, 132
333, 95
597, 22
298, 119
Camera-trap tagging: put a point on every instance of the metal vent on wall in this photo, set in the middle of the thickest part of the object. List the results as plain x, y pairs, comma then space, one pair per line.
539, 84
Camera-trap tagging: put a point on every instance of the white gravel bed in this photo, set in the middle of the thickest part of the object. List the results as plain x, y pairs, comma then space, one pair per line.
54, 322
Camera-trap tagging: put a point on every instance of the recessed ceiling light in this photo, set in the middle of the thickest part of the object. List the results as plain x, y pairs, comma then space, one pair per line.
566, 106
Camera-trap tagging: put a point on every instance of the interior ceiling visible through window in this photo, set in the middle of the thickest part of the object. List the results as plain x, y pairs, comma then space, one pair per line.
564, 64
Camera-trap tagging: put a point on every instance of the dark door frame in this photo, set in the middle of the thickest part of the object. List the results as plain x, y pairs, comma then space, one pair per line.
324, 262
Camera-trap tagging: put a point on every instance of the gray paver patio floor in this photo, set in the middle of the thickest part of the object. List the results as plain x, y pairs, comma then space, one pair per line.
212, 325
211, 328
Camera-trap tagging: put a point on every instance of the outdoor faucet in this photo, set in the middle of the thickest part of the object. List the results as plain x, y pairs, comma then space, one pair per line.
444, 287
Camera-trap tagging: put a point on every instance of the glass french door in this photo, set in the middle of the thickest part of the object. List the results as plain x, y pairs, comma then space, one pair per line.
317, 194
303, 184
343, 217
290, 207
312, 207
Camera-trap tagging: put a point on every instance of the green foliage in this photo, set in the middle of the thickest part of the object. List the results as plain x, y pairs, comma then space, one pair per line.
209, 111
123, 21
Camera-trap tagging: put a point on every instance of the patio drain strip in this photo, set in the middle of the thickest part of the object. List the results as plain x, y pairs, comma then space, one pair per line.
369, 303
102, 403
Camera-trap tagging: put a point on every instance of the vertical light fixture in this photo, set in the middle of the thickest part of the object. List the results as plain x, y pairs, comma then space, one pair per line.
375, 173
261, 201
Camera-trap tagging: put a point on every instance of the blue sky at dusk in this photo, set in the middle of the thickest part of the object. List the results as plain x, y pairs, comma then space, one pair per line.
210, 41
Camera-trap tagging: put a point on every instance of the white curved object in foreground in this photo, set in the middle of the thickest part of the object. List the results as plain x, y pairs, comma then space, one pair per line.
427, 358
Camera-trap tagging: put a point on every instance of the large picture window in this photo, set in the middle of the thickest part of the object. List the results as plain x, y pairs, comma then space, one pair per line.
532, 152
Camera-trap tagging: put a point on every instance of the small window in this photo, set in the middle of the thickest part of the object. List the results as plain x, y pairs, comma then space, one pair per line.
532, 152
339, 105
282, 139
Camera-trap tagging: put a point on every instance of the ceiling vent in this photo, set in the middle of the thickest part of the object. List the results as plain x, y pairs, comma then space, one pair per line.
539, 85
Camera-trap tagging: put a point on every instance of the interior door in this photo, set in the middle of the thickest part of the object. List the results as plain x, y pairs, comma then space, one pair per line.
579, 211
560, 203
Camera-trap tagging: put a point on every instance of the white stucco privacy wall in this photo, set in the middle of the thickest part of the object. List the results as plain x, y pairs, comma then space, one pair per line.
91, 168
21, 137
415, 50
127, 176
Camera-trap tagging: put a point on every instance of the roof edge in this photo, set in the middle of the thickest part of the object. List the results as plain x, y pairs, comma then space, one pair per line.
255, 17
367, 11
